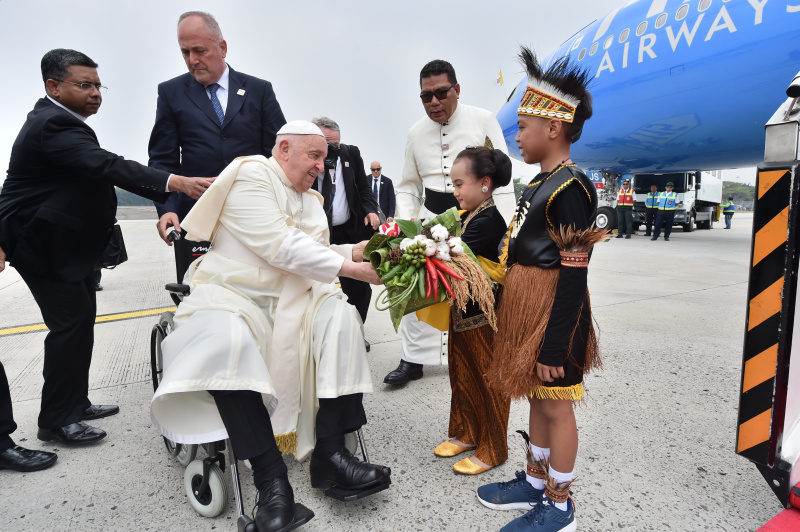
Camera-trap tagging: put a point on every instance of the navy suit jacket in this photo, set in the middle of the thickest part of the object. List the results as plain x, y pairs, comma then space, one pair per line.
58, 202
188, 140
386, 193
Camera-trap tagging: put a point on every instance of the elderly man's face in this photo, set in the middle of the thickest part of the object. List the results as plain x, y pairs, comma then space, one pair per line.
302, 158
204, 54
440, 110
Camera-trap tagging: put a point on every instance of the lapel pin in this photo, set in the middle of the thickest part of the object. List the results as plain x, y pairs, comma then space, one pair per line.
240, 92
347, 164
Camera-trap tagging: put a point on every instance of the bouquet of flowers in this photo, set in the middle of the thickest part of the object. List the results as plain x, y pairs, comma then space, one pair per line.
421, 265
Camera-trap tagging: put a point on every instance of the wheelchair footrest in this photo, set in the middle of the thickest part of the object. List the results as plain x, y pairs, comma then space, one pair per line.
346, 495
178, 288
302, 515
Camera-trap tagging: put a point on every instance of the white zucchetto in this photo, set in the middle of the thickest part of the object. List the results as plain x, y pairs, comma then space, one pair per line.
300, 127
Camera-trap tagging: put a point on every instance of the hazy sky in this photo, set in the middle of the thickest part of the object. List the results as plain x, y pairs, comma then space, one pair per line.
357, 62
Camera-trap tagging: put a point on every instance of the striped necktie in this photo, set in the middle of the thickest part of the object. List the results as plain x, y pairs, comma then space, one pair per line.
212, 89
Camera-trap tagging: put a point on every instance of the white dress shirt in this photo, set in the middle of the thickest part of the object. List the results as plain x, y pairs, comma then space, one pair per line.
341, 209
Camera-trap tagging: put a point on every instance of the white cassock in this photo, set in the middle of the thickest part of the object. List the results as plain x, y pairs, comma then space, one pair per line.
263, 313
431, 149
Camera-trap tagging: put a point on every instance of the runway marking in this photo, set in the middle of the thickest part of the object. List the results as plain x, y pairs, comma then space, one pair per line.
104, 318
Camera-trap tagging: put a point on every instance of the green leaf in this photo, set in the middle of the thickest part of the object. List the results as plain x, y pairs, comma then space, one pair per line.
408, 228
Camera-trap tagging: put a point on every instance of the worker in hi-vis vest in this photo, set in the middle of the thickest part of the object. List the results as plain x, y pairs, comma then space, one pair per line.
651, 209
625, 209
728, 210
667, 203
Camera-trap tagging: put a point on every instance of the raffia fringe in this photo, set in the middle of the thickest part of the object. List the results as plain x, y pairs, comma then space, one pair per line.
568, 393
287, 443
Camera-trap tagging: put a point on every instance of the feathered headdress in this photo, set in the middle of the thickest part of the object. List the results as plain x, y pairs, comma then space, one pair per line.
552, 93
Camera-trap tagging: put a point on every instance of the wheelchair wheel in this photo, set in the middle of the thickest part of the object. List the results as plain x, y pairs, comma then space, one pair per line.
160, 331
186, 453
212, 501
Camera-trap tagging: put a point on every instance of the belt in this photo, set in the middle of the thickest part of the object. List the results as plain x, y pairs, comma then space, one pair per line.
438, 202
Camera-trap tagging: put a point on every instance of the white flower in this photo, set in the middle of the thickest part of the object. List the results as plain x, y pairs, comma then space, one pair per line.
430, 247
442, 251
439, 233
457, 249
419, 238
405, 243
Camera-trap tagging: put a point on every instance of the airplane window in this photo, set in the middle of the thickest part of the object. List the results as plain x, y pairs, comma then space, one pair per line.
582, 55
624, 35
703, 5
593, 49
609, 41
641, 28
682, 11
661, 20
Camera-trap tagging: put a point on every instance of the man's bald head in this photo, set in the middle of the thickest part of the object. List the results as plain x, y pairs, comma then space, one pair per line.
375, 169
301, 157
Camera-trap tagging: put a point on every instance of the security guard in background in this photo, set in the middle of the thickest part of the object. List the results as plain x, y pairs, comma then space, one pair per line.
625, 209
667, 203
728, 210
651, 206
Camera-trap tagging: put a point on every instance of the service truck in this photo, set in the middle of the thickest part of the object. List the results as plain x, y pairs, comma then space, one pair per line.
699, 197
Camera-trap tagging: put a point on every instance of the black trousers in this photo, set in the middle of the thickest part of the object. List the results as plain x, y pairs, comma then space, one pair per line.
649, 218
249, 429
359, 293
664, 220
624, 219
7, 425
69, 310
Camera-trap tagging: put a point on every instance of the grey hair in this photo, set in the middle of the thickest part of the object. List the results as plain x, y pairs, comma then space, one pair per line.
211, 23
324, 121
56, 63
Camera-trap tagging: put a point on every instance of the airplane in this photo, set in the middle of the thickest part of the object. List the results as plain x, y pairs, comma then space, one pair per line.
688, 86
678, 85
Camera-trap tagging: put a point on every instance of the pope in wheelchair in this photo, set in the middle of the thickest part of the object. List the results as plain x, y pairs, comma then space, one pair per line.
266, 351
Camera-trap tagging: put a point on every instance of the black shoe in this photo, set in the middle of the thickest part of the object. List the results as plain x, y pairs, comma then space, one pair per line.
654, 238
628, 236
619, 235
367, 346
98, 411
406, 371
647, 234
275, 506
344, 470
26, 460
666, 238
72, 434
98, 287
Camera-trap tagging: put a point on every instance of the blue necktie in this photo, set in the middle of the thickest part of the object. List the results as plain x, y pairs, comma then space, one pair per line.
375, 188
212, 89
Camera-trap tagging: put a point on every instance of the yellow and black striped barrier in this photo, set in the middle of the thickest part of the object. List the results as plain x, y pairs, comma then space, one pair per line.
771, 301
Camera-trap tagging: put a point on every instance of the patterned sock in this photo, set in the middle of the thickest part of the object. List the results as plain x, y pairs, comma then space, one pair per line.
538, 453
560, 478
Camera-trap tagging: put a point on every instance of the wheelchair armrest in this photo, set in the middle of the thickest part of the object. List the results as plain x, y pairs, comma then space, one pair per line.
179, 288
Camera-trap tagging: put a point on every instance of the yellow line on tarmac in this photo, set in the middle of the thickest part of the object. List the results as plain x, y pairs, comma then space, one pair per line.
100, 319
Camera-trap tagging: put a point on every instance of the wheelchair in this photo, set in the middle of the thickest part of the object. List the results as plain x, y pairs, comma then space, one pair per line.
204, 478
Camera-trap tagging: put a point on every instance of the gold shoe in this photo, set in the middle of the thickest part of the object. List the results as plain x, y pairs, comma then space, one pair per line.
448, 449
468, 467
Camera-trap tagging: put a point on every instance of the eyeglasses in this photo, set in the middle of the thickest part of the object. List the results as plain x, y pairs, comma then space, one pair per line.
86, 87
374, 169
440, 94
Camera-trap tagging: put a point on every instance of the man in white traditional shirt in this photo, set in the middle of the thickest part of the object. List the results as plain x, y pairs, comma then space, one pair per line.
266, 351
425, 189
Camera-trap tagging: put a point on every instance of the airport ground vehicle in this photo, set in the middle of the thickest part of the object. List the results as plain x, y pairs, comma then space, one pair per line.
699, 196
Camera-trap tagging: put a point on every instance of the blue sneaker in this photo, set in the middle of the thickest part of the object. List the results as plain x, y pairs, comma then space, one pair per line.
517, 494
545, 517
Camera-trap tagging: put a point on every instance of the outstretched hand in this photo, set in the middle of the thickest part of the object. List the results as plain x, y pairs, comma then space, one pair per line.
549, 373
170, 219
358, 251
373, 220
191, 186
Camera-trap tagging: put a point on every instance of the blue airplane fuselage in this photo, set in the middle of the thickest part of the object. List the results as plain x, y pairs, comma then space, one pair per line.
679, 85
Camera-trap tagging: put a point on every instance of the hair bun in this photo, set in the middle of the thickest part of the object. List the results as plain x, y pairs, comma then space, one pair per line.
502, 164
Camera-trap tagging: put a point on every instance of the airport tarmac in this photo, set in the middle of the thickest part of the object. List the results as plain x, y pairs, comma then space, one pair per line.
657, 435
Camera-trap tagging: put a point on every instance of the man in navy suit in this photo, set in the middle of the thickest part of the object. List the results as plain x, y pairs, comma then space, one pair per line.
383, 190
209, 116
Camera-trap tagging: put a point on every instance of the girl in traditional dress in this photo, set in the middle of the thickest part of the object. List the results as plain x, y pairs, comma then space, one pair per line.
478, 415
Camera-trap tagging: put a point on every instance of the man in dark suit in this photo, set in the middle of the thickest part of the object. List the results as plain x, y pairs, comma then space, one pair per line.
383, 190
57, 210
209, 116
351, 208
